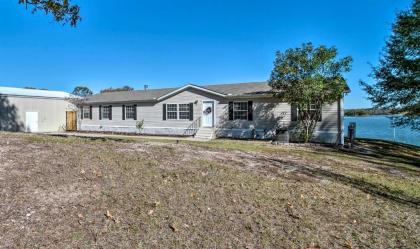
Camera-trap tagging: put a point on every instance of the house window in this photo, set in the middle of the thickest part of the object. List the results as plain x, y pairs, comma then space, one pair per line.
184, 111
86, 112
105, 112
240, 110
312, 109
129, 112
172, 111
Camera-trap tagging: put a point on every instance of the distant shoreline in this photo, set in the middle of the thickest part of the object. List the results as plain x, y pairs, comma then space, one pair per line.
367, 112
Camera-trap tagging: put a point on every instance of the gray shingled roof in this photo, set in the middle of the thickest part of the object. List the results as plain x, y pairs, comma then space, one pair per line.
129, 96
150, 95
241, 88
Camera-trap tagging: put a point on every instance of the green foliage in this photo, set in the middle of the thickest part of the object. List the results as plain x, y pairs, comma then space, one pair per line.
82, 91
308, 76
118, 89
397, 76
62, 10
140, 125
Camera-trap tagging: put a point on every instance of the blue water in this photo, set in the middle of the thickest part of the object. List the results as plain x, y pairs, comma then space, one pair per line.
380, 127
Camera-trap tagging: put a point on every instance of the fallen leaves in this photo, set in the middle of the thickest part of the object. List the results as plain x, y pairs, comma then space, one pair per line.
173, 227
110, 216
289, 209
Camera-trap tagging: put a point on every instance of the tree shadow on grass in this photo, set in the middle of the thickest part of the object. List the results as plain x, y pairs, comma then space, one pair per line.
380, 162
389, 151
374, 189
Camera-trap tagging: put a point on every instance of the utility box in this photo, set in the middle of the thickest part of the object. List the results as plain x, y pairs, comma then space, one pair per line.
282, 135
351, 133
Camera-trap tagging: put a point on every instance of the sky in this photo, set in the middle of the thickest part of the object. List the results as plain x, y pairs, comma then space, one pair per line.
169, 43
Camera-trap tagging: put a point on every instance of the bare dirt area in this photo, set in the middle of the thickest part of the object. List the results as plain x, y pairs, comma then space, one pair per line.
69, 192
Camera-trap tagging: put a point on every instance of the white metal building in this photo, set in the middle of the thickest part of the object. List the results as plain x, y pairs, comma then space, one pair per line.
33, 110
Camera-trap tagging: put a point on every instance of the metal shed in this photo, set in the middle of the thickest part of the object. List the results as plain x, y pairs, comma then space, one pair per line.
33, 110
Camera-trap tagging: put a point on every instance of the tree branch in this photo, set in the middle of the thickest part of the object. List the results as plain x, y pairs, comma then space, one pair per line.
62, 10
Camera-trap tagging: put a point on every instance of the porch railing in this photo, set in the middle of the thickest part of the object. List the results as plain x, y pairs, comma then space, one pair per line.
193, 127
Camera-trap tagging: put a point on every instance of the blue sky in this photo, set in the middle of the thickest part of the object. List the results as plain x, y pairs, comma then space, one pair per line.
165, 43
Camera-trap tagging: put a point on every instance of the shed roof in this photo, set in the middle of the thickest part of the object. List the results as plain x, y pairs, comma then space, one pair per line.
33, 92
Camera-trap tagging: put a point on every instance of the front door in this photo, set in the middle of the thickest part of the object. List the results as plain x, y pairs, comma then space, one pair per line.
208, 114
31, 124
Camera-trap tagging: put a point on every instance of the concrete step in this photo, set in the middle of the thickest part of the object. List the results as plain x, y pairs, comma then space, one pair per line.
202, 138
205, 131
204, 134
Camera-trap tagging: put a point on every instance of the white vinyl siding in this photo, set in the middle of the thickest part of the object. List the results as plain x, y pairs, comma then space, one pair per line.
267, 113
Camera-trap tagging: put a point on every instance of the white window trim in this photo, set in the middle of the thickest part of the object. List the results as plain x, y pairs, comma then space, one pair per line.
177, 111
103, 111
126, 112
84, 112
312, 107
167, 111
246, 102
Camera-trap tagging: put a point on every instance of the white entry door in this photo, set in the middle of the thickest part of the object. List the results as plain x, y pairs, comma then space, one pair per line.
31, 124
208, 114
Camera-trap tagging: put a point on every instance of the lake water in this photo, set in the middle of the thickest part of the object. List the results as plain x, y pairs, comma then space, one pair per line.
380, 127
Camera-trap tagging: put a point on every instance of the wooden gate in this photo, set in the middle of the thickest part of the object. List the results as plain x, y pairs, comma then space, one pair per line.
71, 121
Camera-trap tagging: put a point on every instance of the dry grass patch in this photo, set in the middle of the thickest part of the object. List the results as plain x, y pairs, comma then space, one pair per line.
77, 192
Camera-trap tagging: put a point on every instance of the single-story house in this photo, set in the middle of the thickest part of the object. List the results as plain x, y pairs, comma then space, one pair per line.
33, 110
243, 110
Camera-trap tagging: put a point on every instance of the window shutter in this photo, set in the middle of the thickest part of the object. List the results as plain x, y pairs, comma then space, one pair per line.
294, 112
135, 112
90, 112
191, 112
250, 111
100, 112
81, 112
164, 111
230, 110
110, 112
123, 112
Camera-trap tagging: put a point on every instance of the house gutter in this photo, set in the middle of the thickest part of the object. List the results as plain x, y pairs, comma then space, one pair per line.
120, 102
250, 96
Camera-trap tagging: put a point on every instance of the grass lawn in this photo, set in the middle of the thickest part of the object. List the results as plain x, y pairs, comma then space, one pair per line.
69, 192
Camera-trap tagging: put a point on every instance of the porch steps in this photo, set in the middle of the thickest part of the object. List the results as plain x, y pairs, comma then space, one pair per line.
204, 134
